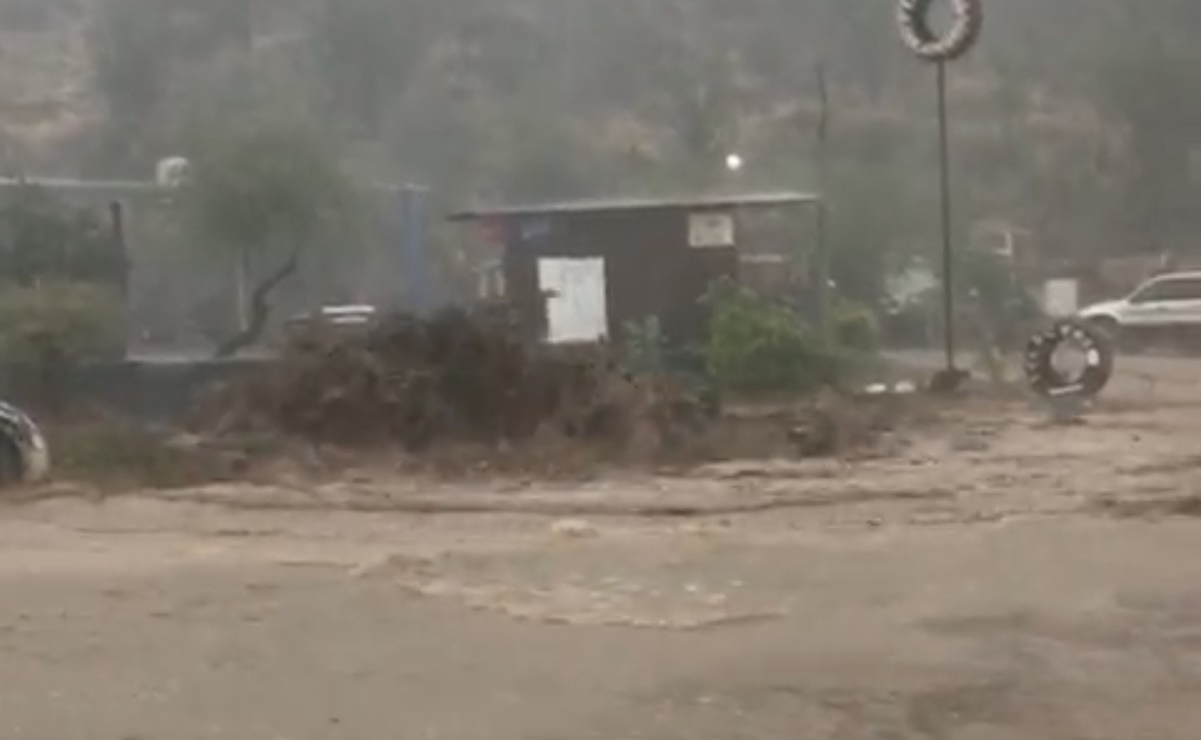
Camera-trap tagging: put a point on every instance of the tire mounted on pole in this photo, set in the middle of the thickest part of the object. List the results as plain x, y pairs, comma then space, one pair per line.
913, 17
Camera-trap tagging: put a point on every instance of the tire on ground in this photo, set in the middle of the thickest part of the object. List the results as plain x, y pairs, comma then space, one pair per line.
24, 456
1045, 379
913, 16
1108, 326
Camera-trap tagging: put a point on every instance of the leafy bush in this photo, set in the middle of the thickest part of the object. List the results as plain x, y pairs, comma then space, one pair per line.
44, 238
856, 327
76, 319
111, 453
645, 350
758, 346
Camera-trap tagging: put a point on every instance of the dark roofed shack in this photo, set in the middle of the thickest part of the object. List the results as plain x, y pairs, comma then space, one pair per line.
581, 271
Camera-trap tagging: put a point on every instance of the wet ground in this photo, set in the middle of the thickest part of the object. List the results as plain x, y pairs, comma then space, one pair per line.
991, 576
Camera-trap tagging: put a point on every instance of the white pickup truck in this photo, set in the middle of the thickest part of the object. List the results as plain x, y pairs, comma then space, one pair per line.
1165, 308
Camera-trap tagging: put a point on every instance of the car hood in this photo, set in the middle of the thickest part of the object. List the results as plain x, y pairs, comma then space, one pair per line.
1107, 308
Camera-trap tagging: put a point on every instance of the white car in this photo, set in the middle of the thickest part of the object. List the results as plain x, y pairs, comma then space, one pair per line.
340, 318
1166, 307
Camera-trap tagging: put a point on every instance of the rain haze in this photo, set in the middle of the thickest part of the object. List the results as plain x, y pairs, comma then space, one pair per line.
657, 369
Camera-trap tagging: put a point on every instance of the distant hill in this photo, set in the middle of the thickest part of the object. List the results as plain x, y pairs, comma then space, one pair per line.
45, 95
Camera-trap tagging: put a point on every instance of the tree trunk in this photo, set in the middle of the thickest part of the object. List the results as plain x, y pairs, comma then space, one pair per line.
260, 310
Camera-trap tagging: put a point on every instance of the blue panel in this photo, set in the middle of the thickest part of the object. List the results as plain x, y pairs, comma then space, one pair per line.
416, 277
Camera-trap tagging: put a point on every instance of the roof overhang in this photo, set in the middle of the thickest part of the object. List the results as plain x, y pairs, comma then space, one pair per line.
763, 200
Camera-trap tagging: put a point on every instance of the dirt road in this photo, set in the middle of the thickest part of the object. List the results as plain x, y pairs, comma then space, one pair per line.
991, 577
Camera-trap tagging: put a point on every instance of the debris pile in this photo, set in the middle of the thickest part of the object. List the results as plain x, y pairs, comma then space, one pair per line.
451, 386
457, 376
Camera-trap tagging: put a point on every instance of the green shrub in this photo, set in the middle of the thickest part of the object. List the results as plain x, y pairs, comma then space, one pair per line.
757, 346
77, 319
645, 351
856, 327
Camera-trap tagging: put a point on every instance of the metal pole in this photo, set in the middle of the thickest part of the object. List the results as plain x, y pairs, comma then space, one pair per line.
242, 280
823, 248
948, 282
117, 223
116, 214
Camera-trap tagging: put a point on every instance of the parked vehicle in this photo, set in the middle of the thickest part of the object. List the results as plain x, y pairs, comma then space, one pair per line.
1166, 308
342, 318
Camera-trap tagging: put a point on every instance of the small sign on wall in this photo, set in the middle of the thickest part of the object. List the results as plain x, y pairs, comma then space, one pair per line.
710, 230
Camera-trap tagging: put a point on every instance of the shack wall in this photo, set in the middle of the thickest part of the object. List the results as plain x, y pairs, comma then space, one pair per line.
650, 269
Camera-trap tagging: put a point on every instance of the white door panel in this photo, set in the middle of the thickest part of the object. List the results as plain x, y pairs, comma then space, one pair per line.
576, 307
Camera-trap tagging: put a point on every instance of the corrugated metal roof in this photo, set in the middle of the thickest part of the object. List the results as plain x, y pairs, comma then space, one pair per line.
601, 205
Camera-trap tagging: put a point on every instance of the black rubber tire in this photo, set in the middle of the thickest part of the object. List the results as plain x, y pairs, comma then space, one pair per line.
1124, 341
913, 17
23, 453
12, 464
1108, 327
1045, 380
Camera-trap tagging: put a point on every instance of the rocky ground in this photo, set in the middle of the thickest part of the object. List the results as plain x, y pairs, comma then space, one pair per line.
987, 575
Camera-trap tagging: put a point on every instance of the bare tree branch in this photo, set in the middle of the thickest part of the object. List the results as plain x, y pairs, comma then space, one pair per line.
260, 309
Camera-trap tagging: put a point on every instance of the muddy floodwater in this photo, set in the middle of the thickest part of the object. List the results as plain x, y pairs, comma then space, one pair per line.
991, 576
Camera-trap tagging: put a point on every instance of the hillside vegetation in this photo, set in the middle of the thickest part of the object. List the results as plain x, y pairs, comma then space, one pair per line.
1074, 118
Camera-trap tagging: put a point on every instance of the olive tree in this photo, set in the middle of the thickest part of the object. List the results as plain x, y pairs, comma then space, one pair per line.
266, 196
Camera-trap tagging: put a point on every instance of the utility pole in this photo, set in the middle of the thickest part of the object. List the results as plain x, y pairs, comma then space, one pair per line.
821, 271
948, 268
